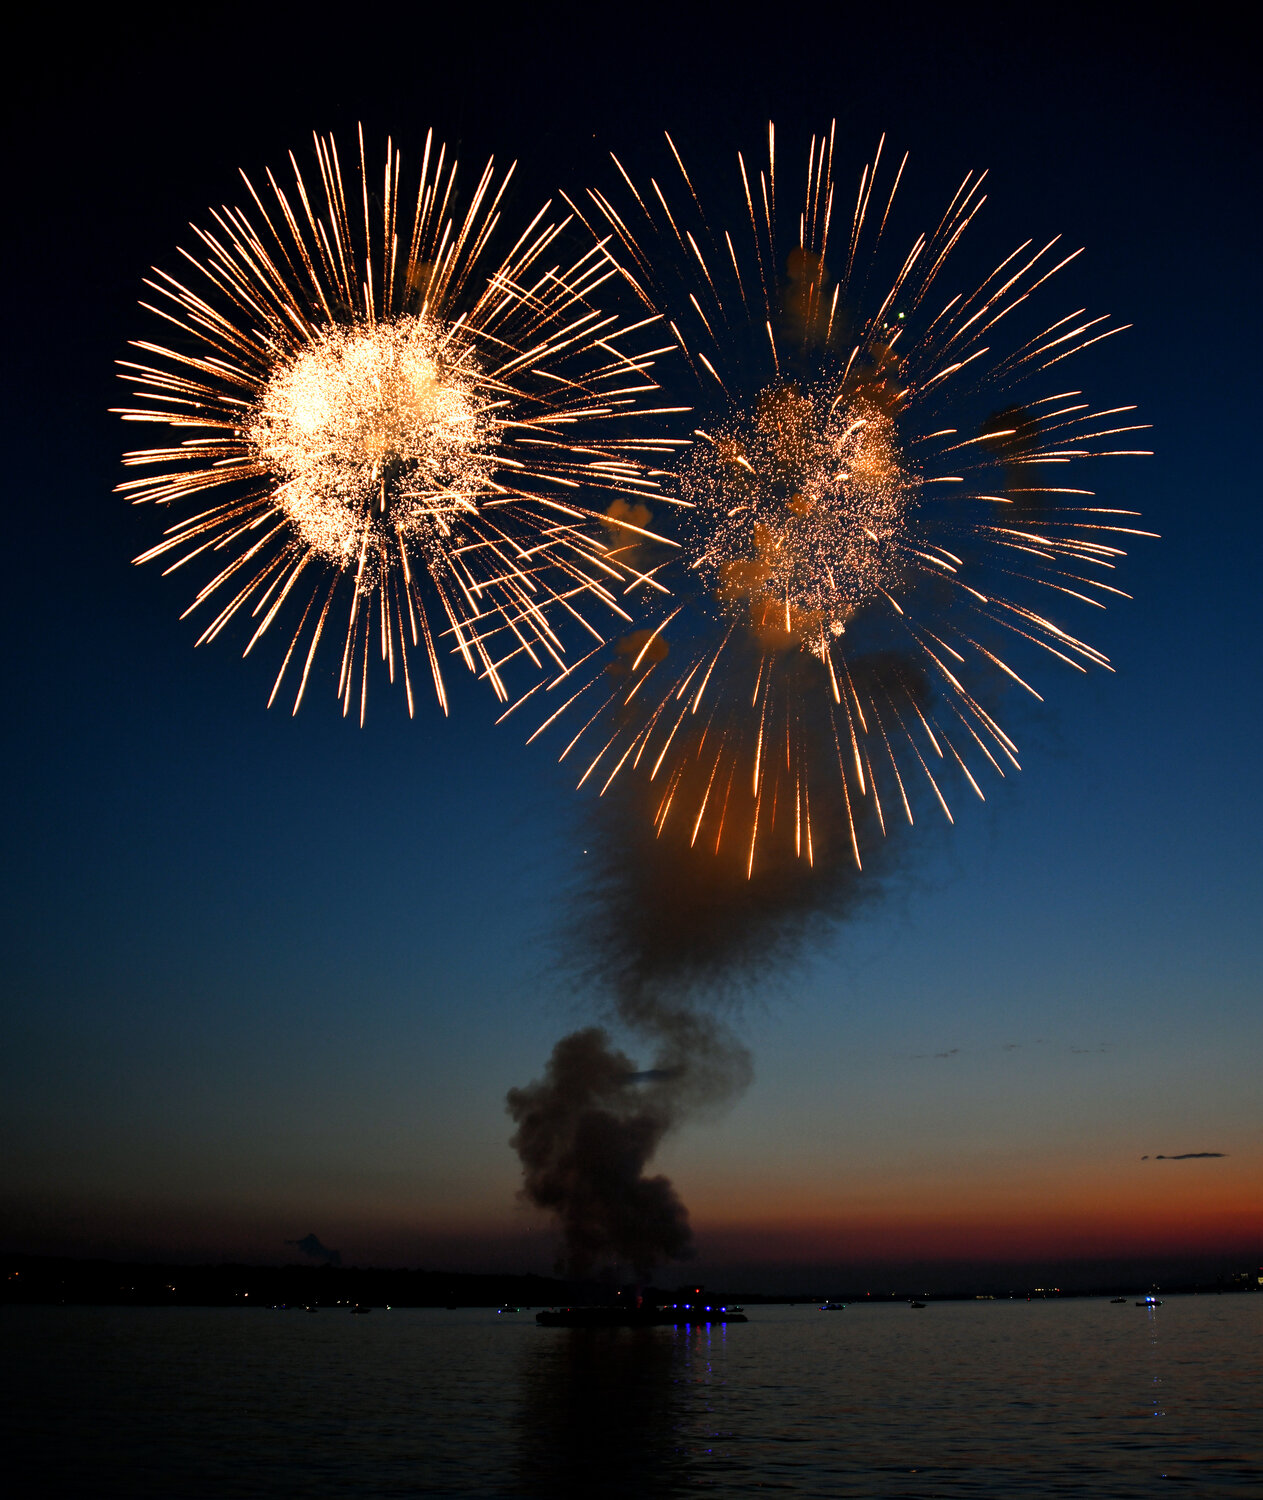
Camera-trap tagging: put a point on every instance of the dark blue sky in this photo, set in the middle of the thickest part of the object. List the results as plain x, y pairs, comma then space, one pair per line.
268, 975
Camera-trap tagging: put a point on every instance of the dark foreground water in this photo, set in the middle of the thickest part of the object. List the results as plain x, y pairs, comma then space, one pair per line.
991, 1398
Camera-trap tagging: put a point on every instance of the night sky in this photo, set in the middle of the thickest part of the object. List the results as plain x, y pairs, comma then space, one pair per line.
270, 975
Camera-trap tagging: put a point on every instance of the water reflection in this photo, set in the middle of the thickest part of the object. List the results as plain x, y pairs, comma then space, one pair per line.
604, 1411
1155, 1368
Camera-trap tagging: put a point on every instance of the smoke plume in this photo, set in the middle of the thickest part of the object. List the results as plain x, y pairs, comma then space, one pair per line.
585, 1133
674, 936
310, 1245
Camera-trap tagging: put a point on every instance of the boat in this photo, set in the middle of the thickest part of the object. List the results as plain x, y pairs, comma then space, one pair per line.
916, 1304
833, 1307
675, 1314
361, 1308
1149, 1302
1118, 1299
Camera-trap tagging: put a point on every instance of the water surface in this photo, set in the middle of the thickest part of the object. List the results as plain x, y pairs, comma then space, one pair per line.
991, 1398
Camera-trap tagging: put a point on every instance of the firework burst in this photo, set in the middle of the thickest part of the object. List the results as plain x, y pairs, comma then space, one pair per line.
871, 510
396, 434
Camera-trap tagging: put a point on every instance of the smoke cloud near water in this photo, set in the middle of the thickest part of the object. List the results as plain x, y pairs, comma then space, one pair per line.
672, 935
586, 1132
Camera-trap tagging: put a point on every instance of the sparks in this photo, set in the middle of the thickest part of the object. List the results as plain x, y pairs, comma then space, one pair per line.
393, 437
861, 514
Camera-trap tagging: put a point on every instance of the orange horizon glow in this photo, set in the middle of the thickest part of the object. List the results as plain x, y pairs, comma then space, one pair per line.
1083, 1234
1049, 1213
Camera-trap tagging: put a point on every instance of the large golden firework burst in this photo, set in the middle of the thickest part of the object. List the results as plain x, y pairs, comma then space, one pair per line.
871, 504
397, 433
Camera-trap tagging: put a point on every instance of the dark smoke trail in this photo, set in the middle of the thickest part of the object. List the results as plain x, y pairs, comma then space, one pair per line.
585, 1134
589, 1128
664, 923
669, 932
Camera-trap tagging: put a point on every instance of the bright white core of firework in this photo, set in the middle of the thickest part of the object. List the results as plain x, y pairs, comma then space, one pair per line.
375, 429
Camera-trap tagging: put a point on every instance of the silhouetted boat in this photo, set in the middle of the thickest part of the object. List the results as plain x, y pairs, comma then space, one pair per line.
360, 1308
833, 1307
1118, 1299
1149, 1302
916, 1304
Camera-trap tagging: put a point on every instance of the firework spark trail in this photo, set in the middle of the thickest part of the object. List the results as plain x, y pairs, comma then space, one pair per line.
384, 411
862, 544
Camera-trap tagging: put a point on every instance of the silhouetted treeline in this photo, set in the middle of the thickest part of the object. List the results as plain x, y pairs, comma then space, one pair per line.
54, 1279
37, 1278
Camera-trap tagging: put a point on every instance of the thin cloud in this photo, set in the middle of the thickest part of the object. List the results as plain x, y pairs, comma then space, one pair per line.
1008, 1047
1188, 1156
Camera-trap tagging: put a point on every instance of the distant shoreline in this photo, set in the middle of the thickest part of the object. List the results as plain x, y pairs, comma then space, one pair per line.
58, 1280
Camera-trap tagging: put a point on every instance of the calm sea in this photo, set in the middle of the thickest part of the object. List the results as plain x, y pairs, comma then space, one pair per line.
991, 1398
